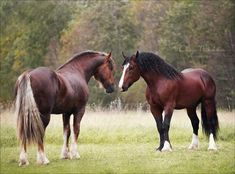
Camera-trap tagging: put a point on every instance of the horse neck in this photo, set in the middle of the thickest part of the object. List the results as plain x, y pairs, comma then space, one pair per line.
90, 66
86, 66
153, 79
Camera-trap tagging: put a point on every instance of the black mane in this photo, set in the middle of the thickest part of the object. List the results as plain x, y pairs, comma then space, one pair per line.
152, 62
78, 55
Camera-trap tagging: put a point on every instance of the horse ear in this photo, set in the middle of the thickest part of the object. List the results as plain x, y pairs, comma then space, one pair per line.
137, 54
125, 57
109, 56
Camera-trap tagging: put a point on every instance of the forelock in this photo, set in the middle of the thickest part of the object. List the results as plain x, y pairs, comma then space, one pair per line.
127, 60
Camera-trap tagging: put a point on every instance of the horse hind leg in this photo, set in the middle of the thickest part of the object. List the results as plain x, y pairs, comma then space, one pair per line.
76, 127
23, 161
41, 155
65, 154
210, 122
195, 124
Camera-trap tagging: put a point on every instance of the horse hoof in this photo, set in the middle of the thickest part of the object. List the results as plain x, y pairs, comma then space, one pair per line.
193, 147
23, 163
75, 156
212, 148
166, 147
43, 162
159, 149
65, 156
166, 150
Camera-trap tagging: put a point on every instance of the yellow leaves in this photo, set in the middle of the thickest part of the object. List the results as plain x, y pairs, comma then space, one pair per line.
18, 59
17, 65
19, 53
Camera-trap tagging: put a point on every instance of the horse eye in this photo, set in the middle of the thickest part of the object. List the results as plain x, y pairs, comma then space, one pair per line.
130, 67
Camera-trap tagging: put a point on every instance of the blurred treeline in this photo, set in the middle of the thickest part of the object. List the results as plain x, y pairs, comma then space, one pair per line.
186, 33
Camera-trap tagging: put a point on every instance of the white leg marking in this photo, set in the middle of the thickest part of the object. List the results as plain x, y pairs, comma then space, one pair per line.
23, 161
166, 147
163, 116
123, 75
212, 145
65, 154
74, 151
194, 143
41, 158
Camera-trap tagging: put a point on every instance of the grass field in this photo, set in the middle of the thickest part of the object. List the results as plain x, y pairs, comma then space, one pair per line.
124, 142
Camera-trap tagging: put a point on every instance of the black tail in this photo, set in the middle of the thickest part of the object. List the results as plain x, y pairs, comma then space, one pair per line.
210, 123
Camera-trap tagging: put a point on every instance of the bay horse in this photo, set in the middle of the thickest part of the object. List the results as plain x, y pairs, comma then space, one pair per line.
168, 89
41, 92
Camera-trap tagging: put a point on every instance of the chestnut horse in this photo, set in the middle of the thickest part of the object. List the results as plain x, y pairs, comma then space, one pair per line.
42, 91
168, 89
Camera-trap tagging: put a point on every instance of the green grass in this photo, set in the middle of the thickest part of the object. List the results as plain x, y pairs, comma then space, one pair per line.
124, 142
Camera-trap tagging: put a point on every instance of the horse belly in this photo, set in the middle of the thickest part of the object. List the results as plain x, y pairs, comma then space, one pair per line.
187, 101
69, 100
63, 106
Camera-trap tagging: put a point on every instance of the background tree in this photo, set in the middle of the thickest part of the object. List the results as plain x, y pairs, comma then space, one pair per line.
27, 28
184, 33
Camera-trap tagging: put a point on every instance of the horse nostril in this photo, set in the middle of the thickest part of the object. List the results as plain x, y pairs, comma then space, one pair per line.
124, 88
110, 89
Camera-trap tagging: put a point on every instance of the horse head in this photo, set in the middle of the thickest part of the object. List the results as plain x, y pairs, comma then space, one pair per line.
104, 74
131, 72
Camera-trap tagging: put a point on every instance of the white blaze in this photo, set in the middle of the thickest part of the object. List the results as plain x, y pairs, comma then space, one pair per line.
123, 75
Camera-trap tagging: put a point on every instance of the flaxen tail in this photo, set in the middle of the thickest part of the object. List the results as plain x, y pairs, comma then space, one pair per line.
29, 124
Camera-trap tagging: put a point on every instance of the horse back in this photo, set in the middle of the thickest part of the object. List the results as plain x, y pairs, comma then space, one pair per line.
200, 76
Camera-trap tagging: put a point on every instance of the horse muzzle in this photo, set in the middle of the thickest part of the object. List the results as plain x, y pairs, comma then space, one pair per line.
110, 89
124, 88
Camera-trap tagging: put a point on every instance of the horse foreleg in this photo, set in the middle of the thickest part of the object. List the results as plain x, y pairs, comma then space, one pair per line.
76, 129
166, 126
23, 156
157, 114
195, 124
41, 156
66, 126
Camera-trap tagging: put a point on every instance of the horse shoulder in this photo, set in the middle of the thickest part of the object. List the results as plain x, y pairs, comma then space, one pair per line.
147, 94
